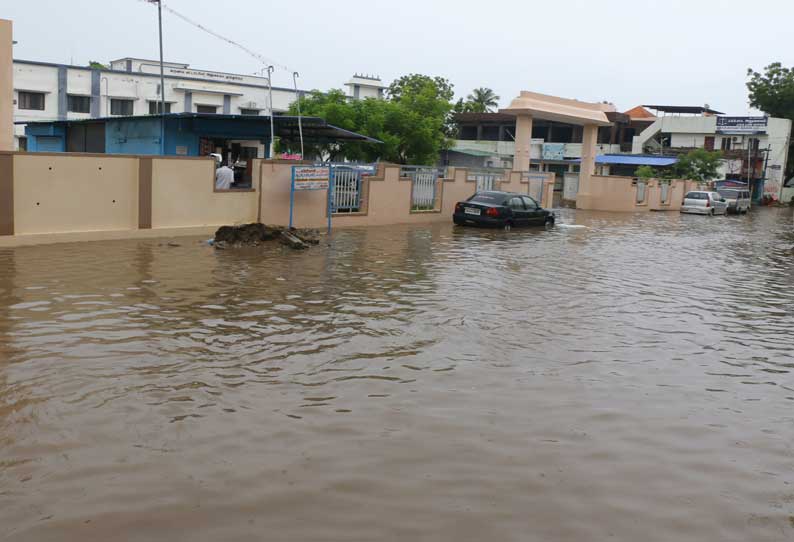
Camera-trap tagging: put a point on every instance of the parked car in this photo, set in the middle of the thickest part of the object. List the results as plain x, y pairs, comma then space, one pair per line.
738, 199
501, 209
704, 203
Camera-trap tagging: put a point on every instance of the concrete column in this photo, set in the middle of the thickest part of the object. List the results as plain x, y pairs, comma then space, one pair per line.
523, 142
589, 138
96, 95
227, 104
6, 87
479, 132
188, 107
62, 98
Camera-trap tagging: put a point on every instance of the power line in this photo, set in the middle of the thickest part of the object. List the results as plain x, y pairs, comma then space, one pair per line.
261, 58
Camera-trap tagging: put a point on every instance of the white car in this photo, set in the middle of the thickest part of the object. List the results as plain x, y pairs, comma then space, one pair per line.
704, 203
738, 199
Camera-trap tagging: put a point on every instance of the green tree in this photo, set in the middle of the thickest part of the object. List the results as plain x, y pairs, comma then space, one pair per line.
411, 123
94, 65
697, 165
773, 93
482, 100
645, 173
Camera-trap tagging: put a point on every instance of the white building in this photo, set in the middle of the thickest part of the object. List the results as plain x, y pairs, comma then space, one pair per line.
131, 86
753, 147
365, 86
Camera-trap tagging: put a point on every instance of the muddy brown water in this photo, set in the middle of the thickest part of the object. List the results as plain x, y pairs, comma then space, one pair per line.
630, 380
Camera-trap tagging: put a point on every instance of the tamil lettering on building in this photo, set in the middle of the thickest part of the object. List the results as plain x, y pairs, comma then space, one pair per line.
741, 125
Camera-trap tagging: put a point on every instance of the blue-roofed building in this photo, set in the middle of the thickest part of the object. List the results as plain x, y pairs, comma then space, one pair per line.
186, 134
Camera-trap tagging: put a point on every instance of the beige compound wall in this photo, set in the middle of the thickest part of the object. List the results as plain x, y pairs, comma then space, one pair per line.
67, 193
6, 86
614, 193
184, 195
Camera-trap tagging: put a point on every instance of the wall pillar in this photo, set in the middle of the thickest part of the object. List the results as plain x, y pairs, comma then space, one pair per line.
589, 138
144, 193
523, 142
6, 87
7, 194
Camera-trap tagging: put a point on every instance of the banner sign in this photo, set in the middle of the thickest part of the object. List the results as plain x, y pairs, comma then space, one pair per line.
741, 125
311, 177
553, 151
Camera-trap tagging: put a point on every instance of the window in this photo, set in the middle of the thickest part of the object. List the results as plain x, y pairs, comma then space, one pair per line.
641, 191
516, 204
120, 107
154, 107
487, 197
78, 104
530, 203
695, 195
726, 144
244, 111
206, 109
31, 100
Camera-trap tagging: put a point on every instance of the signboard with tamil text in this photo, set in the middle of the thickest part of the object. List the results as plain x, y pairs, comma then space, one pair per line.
741, 125
553, 151
311, 177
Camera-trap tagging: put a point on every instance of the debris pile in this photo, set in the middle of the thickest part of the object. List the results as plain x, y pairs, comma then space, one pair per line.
256, 234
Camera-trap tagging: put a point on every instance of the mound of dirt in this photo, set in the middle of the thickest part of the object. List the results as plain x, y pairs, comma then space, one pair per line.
256, 233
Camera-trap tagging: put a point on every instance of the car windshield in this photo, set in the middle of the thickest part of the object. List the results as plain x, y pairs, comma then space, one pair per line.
491, 198
695, 195
729, 194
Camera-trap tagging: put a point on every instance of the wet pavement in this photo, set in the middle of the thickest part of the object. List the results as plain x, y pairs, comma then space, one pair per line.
627, 380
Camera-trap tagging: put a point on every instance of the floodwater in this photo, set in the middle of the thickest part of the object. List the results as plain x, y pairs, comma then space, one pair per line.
630, 380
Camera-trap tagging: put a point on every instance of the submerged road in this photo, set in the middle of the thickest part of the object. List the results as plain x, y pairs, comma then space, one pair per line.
627, 380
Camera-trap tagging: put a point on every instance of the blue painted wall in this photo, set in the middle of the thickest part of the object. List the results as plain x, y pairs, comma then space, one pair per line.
133, 136
53, 138
142, 135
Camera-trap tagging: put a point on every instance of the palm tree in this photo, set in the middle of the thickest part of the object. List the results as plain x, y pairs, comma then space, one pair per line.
482, 100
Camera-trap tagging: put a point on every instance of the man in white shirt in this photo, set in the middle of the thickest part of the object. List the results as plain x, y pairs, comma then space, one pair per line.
224, 177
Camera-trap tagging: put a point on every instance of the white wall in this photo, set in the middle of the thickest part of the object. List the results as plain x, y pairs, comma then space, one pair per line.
143, 88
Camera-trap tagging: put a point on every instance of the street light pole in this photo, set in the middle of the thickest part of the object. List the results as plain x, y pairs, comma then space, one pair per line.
162, 76
270, 97
295, 76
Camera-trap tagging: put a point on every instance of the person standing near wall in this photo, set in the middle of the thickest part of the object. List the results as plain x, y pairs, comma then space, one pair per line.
224, 177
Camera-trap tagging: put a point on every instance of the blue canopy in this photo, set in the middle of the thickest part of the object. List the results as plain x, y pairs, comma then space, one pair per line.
633, 160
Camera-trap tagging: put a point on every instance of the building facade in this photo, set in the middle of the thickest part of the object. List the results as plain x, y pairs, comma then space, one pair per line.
755, 149
131, 87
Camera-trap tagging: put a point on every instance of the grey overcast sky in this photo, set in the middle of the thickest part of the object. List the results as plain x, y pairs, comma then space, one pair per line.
628, 52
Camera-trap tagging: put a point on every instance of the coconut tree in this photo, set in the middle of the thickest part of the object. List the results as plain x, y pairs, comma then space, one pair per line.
482, 100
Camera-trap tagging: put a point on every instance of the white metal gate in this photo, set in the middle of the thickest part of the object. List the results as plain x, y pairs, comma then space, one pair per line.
665, 191
423, 191
485, 182
347, 190
570, 186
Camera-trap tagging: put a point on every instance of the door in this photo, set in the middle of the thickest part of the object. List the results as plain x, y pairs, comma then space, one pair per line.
520, 213
535, 214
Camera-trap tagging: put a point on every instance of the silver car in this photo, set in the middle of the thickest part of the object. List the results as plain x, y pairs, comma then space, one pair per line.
704, 203
738, 199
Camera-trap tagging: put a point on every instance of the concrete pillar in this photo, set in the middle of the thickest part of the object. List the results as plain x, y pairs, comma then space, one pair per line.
589, 138
523, 142
6, 86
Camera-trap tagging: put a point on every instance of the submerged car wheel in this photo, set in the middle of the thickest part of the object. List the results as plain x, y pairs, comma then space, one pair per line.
549, 221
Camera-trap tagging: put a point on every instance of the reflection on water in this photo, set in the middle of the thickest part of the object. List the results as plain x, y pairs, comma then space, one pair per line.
631, 379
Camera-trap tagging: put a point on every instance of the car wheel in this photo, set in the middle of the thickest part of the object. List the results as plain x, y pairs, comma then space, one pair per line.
549, 221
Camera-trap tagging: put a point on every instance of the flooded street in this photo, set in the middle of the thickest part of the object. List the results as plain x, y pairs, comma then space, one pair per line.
627, 380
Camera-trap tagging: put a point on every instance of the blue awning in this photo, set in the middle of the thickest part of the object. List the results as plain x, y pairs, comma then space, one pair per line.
633, 160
